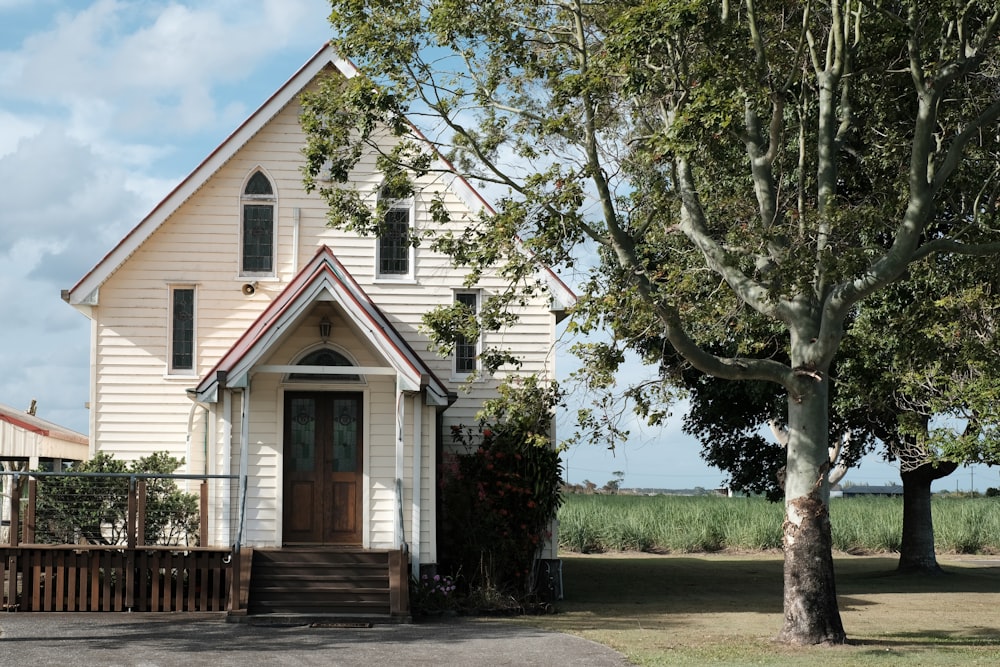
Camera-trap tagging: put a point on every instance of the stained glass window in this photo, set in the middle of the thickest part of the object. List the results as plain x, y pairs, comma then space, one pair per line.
324, 357
258, 226
394, 244
466, 350
182, 329
303, 426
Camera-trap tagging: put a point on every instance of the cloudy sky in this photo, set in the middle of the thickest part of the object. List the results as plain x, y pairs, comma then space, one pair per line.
106, 105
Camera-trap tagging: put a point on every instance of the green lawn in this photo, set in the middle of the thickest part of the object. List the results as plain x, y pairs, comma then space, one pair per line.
723, 609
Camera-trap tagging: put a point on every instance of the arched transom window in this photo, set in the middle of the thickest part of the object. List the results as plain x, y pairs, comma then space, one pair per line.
324, 357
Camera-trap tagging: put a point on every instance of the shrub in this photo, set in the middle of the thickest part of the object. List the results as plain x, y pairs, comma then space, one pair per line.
73, 508
500, 495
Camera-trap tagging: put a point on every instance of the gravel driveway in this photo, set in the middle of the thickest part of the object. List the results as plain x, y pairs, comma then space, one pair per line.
169, 640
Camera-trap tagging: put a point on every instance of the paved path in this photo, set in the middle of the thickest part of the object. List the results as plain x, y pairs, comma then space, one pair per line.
175, 640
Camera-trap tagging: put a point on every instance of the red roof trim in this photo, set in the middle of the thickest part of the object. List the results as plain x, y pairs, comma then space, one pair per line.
324, 262
23, 424
223, 145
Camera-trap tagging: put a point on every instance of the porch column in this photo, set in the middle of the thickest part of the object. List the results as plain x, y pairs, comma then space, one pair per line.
399, 538
227, 467
418, 464
244, 449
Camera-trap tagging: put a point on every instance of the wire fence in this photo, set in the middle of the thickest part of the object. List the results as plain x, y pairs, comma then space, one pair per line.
118, 509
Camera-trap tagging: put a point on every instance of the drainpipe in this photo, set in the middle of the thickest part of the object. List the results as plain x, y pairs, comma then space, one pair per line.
187, 440
417, 472
190, 439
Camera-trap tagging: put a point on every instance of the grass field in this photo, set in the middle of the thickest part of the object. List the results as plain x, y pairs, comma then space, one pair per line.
680, 524
723, 609
711, 591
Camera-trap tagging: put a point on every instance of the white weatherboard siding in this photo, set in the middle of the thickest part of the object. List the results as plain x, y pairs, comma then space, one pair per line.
193, 240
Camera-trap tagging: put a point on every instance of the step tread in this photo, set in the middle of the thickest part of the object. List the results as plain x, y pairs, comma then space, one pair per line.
311, 609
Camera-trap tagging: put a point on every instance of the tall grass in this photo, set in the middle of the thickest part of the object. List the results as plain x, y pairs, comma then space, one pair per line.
590, 523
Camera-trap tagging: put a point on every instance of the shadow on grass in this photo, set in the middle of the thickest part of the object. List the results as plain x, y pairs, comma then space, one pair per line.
672, 584
673, 590
727, 609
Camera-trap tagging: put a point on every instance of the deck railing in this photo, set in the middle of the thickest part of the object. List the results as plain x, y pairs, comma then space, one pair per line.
116, 542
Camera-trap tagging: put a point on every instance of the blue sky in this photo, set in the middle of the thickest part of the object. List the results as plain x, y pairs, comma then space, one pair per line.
104, 107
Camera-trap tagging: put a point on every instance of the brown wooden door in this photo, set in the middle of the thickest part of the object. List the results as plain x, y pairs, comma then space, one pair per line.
323, 475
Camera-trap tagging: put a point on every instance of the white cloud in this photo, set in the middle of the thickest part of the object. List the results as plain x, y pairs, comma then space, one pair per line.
136, 66
15, 128
95, 99
58, 190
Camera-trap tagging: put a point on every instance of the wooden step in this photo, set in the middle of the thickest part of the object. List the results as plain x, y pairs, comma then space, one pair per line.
316, 581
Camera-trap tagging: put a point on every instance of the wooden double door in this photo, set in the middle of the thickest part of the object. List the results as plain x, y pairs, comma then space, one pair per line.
323, 468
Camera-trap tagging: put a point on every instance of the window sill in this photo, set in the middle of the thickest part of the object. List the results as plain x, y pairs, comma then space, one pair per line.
187, 377
388, 280
464, 377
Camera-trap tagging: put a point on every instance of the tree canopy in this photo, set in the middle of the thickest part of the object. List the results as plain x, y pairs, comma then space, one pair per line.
733, 161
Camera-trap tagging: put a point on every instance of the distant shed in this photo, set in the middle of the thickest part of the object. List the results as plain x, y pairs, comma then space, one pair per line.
890, 490
27, 440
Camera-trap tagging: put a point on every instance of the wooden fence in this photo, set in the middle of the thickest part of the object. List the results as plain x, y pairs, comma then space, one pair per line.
134, 576
62, 578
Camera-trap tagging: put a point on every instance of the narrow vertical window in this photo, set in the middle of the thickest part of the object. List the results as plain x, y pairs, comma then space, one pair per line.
467, 351
394, 246
182, 330
258, 227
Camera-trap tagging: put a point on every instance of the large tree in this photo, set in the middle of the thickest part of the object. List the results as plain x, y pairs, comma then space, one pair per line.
802, 153
917, 376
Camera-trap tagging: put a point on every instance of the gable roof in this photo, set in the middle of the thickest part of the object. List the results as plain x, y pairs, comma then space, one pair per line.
323, 278
83, 293
85, 290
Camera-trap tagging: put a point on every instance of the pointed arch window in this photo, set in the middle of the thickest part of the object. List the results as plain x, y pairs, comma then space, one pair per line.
257, 230
324, 357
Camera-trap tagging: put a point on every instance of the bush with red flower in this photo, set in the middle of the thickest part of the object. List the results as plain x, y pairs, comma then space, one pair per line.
500, 493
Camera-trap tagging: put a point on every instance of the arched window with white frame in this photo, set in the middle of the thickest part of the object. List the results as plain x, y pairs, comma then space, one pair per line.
257, 231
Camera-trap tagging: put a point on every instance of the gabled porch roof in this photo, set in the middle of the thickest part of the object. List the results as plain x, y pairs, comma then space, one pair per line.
324, 278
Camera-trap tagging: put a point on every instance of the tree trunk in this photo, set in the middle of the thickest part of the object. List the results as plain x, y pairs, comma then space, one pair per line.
810, 596
916, 550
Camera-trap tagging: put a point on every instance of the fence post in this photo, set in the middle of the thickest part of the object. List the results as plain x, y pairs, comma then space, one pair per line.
131, 537
139, 522
29, 512
130, 512
203, 515
15, 509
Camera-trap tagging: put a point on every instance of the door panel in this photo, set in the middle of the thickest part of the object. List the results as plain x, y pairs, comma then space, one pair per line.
323, 476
